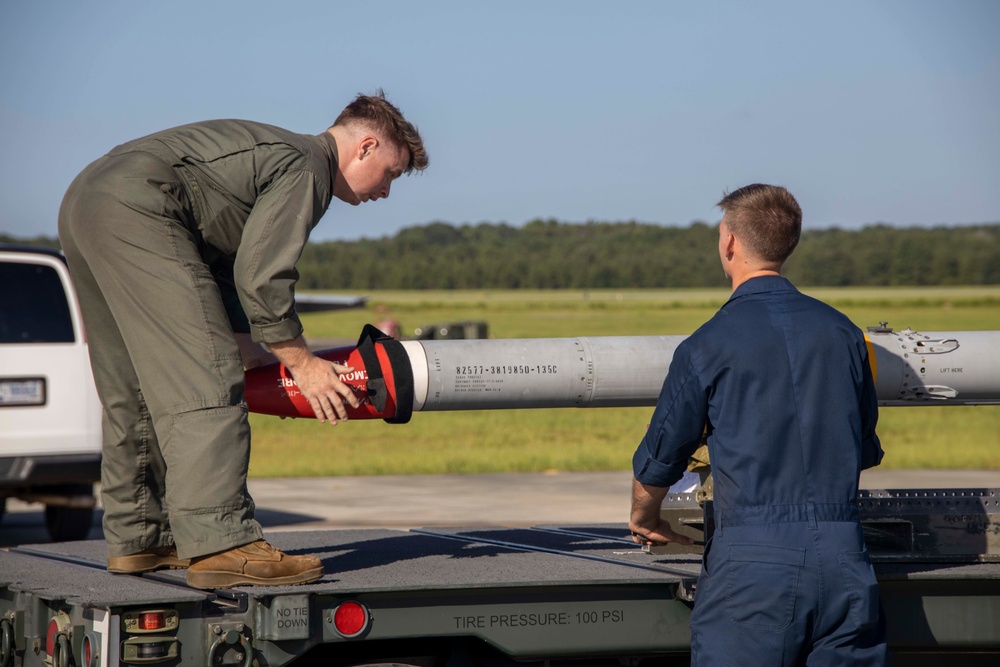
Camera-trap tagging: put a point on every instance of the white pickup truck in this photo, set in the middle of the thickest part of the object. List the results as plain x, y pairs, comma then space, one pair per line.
50, 416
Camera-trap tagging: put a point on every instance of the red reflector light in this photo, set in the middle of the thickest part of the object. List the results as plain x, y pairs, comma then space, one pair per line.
89, 650
50, 636
151, 620
350, 619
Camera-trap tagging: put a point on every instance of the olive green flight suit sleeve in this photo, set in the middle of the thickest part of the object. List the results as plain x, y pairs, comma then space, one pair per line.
273, 240
222, 273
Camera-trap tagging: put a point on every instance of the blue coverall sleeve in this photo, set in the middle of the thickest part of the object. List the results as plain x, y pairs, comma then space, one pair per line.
871, 447
676, 428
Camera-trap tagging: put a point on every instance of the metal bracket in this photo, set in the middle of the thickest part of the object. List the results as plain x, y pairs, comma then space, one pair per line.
228, 638
939, 346
686, 589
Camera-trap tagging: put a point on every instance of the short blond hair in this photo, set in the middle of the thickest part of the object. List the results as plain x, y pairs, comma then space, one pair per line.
765, 218
377, 113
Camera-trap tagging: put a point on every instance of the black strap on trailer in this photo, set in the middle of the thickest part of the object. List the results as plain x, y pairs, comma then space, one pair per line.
402, 373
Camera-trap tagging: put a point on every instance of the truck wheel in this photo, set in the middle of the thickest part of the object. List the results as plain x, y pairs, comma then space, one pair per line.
66, 524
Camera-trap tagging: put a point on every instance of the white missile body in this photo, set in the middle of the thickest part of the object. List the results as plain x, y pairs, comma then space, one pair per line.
399, 378
910, 368
936, 368
617, 371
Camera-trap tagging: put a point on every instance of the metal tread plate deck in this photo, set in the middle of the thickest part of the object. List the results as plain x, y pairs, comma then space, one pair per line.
356, 561
85, 586
366, 560
612, 541
605, 542
462, 572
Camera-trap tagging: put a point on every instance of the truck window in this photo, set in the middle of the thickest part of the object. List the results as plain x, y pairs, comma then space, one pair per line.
33, 306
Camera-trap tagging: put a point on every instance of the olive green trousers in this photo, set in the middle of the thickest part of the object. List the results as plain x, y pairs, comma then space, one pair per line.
167, 368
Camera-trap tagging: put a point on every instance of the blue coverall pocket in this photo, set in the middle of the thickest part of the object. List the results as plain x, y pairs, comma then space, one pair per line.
762, 584
861, 588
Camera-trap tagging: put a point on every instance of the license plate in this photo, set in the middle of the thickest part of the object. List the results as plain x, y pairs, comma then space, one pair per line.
22, 391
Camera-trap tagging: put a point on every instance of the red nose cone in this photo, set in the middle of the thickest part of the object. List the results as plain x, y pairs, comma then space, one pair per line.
271, 389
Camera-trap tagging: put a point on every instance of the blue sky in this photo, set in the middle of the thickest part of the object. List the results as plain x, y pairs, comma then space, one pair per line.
867, 111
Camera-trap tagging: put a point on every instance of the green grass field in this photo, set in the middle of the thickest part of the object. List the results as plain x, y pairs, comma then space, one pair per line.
603, 438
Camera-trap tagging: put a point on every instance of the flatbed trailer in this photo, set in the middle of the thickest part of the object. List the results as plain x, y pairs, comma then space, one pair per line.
548, 595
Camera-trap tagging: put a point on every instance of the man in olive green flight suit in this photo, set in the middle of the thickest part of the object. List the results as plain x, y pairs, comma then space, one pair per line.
182, 246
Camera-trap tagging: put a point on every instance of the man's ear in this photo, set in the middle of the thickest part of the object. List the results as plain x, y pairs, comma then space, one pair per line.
730, 245
367, 144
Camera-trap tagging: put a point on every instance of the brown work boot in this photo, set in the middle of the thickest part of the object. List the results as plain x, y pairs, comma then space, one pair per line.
157, 558
257, 563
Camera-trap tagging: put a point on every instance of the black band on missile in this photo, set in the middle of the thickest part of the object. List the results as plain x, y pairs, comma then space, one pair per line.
377, 391
401, 372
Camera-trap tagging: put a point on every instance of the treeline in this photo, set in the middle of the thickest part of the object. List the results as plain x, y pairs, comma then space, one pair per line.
43, 241
547, 254
542, 254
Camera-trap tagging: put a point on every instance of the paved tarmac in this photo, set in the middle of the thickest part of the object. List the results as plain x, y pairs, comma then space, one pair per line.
518, 499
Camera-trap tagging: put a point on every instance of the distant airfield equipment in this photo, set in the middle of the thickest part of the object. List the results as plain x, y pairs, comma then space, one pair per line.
464, 330
316, 303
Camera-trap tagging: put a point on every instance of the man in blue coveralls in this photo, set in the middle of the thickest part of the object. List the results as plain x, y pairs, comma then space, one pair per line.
783, 385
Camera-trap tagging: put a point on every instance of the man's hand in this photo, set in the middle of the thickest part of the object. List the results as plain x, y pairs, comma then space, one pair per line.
318, 380
659, 535
645, 524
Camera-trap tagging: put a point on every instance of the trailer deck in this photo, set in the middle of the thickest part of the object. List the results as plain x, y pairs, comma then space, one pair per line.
484, 595
522, 593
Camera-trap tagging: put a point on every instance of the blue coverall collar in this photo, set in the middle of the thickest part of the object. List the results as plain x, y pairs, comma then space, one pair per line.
763, 284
